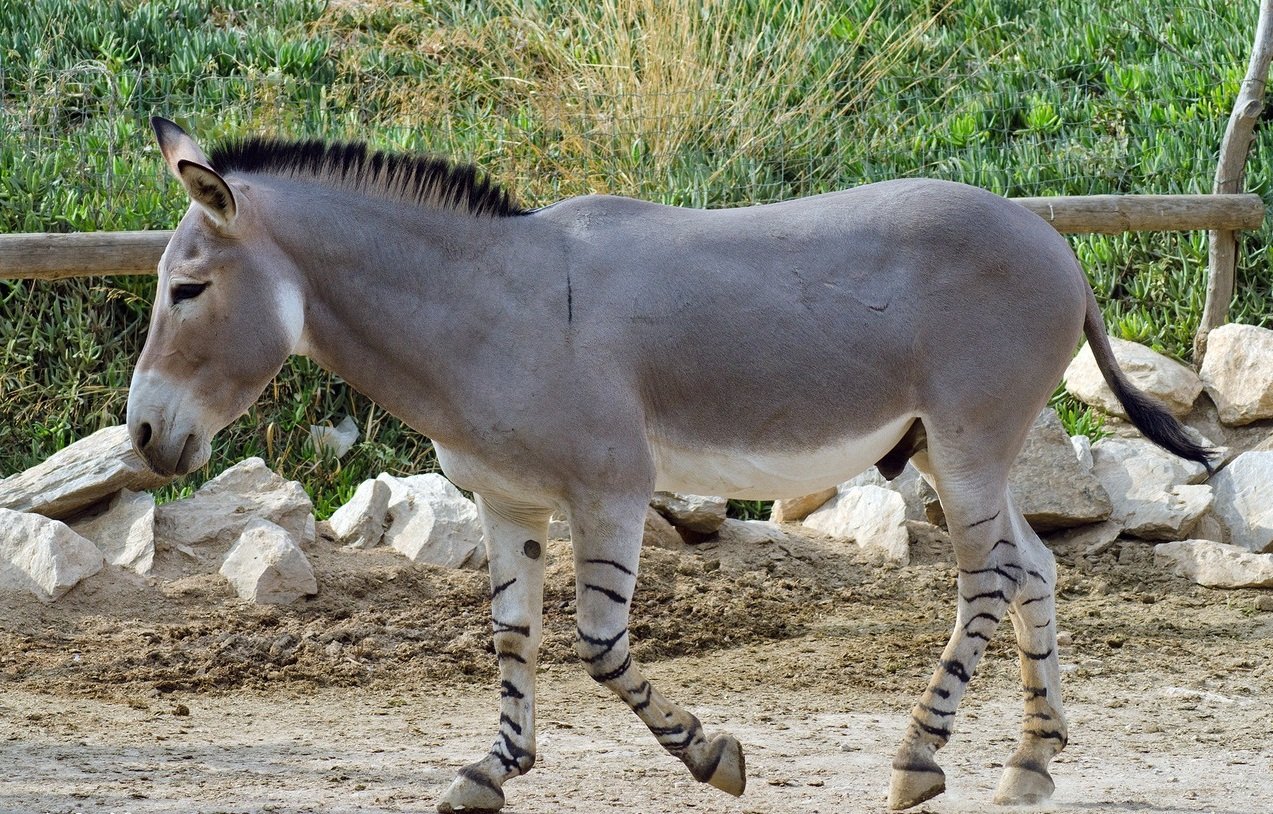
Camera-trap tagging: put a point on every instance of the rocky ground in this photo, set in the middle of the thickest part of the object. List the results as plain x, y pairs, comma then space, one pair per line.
137, 695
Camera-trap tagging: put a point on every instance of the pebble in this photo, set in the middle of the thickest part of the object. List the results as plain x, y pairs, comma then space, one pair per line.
1264, 603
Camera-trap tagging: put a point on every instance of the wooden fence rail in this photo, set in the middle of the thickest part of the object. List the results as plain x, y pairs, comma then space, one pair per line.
82, 254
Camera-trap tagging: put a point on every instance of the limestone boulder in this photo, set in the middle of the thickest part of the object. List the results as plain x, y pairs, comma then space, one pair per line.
80, 475
360, 523
658, 532
213, 517
1216, 565
124, 532
266, 565
43, 556
697, 513
1244, 500
1165, 379
429, 520
871, 516
1155, 495
910, 484
750, 532
1050, 484
795, 509
1238, 372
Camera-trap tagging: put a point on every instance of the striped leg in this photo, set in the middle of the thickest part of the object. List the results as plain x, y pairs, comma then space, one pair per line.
1033, 612
515, 537
607, 551
990, 575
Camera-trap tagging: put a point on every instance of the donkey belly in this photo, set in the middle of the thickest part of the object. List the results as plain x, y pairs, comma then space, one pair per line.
769, 474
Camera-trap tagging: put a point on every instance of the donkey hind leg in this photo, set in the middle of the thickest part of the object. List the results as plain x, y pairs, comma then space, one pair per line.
515, 538
607, 551
1025, 778
986, 531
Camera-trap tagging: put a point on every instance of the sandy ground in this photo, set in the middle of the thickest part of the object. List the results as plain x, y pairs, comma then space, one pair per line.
172, 696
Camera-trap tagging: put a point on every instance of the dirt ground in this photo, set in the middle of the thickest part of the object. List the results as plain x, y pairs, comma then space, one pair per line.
135, 695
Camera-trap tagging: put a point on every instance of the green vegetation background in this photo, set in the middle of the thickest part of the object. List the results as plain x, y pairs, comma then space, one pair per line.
706, 103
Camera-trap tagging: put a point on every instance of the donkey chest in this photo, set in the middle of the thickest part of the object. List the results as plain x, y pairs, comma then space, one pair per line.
769, 474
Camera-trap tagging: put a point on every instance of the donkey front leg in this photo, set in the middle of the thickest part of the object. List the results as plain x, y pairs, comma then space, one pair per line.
607, 542
515, 538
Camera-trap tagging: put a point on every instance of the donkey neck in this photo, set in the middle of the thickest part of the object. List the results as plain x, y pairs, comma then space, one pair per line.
394, 292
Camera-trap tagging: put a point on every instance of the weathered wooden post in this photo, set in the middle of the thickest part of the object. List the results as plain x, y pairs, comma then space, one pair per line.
1238, 137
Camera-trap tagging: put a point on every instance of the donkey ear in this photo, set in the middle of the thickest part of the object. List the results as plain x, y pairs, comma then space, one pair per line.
193, 169
208, 189
176, 145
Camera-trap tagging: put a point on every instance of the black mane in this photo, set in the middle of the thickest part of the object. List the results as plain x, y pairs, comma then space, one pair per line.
421, 180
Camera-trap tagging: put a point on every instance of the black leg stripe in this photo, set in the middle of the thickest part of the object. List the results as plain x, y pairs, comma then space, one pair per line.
941, 692
499, 589
513, 725
1008, 543
1036, 599
500, 627
987, 520
469, 773
607, 593
1047, 734
616, 565
957, 669
616, 672
646, 690
936, 731
1036, 656
509, 690
974, 634
1036, 692
941, 713
984, 595
1028, 764
510, 655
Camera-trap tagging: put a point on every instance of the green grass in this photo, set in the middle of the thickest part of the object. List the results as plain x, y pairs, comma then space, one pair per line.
694, 103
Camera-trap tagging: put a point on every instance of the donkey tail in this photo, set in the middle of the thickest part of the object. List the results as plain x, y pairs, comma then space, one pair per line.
1150, 417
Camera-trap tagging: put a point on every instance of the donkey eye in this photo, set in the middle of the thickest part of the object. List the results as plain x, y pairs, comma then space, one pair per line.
187, 291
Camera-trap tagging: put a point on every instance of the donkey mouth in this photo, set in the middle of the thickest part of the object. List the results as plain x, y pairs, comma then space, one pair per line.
193, 454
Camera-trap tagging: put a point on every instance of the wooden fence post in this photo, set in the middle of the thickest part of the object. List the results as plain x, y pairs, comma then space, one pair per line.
1238, 137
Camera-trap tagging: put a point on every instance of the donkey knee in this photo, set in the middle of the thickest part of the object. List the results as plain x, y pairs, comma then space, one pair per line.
606, 658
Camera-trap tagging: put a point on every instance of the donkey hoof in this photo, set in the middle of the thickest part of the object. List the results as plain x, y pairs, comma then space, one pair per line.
1024, 785
729, 773
472, 793
914, 783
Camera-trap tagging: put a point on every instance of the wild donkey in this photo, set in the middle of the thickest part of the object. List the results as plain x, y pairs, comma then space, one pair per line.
579, 356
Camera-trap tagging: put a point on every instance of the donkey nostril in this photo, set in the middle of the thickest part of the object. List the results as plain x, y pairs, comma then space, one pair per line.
143, 435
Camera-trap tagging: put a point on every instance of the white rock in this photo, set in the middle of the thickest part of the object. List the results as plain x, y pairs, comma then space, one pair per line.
360, 523
1217, 565
216, 515
792, 510
334, 441
1163, 378
267, 566
910, 484
124, 532
76, 477
1094, 538
750, 532
698, 513
43, 556
1154, 493
1244, 500
429, 520
871, 516
1050, 485
1082, 450
1238, 372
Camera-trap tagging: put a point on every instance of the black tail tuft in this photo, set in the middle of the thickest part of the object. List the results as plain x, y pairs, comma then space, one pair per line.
1160, 426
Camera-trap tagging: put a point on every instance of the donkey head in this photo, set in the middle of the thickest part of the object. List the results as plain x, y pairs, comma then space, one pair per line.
227, 314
